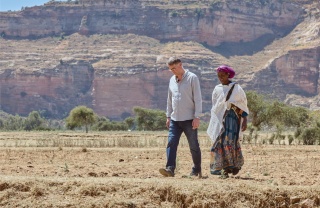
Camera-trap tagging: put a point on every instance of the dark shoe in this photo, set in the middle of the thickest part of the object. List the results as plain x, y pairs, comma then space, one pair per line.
166, 172
193, 173
235, 171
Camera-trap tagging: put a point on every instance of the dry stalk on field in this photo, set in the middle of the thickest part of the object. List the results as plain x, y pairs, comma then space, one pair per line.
120, 169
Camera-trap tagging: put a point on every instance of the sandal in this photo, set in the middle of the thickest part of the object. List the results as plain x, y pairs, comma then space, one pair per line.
224, 174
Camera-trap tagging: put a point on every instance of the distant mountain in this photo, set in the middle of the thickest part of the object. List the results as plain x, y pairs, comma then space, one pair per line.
110, 55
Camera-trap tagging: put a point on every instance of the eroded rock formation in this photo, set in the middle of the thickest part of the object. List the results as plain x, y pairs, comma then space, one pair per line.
200, 21
54, 91
112, 72
294, 73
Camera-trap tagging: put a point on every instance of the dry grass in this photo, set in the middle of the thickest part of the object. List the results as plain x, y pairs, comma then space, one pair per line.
120, 169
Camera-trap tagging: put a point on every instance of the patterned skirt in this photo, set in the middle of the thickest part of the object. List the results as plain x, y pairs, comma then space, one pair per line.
226, 151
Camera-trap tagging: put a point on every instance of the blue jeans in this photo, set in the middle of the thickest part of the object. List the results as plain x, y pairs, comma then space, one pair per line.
176, 128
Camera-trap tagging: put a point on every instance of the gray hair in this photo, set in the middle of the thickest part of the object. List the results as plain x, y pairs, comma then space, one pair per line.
173, 60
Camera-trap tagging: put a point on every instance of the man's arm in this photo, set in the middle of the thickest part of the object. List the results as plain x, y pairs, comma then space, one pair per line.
197, 102
197, 97
169, 107
169, 104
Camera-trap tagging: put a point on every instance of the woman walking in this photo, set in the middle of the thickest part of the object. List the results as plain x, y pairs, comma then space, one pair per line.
228, 119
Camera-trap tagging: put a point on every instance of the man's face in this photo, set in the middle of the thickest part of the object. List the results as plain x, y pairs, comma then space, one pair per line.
175, 68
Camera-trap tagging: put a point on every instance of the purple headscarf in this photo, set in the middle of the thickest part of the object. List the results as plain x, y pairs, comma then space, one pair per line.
227, 69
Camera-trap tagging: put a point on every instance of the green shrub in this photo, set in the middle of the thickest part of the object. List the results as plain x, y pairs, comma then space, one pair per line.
290, 139
271, 139
310, 136
150, 119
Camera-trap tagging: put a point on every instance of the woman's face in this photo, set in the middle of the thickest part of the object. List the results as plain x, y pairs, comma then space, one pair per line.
223, 77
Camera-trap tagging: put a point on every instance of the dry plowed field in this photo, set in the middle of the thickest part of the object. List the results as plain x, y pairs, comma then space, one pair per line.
120, 169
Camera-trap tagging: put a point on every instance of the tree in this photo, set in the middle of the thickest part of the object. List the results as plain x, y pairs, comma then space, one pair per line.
130, 122
33, 121
309, 136
268, 112
81, 116
150, 119
258, 108
274, 113
290, 116
1, 123
14, 123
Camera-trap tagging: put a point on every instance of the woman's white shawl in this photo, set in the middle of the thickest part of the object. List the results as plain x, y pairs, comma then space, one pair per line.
219, 106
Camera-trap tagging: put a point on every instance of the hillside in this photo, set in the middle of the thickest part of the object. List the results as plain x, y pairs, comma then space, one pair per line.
111, 55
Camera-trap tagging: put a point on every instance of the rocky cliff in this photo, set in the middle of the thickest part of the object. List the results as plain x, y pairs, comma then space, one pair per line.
110, 55
294, 73
210, 22
51, 91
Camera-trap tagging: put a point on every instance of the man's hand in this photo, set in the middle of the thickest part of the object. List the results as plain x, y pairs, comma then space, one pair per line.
168, 122
195, 123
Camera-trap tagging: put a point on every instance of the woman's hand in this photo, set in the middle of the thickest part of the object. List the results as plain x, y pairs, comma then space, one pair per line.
244, 124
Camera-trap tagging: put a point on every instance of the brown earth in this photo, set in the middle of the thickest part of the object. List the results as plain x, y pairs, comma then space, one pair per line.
120, 169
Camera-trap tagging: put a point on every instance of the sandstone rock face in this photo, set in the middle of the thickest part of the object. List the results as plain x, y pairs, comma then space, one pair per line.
55, 91
300, 69
113, 79
230, 21
116, 96
297, 72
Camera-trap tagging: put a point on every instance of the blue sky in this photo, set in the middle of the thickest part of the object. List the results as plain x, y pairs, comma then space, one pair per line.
15, 5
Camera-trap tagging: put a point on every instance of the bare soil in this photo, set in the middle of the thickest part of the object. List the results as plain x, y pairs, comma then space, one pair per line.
120, 169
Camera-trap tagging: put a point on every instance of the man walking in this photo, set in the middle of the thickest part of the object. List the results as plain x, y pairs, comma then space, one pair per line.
184, 106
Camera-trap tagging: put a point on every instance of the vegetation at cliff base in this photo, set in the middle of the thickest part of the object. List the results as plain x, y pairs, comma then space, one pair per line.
81, 116
264, 114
